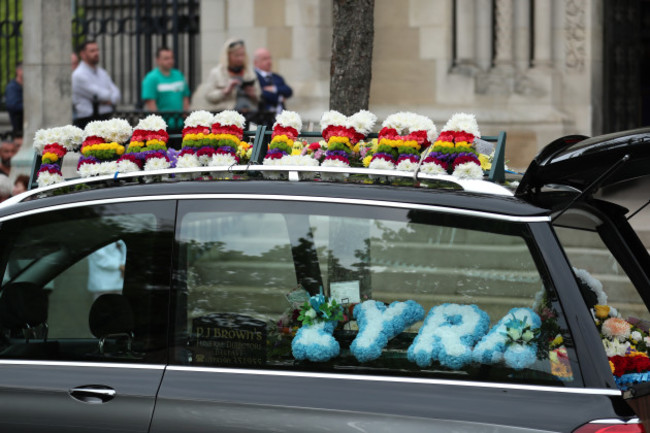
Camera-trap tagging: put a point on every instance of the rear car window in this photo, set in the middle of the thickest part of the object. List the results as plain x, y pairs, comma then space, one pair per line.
329, 287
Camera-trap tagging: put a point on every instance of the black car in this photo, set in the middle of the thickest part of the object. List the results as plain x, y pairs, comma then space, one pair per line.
449, 305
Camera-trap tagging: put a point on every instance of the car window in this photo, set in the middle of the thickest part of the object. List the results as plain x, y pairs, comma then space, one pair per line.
395, 291
86, 284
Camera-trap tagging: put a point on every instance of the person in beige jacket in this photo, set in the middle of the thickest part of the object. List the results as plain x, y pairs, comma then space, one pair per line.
231, 85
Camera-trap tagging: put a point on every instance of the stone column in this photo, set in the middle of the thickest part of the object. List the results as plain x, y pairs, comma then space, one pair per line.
47, 91
504, 32
213, 33
522, 34
543, 34
484, 34
465, 42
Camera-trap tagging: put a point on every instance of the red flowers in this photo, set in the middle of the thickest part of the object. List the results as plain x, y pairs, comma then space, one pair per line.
218, 128
290, 132
143, 135
630, 364
196, 130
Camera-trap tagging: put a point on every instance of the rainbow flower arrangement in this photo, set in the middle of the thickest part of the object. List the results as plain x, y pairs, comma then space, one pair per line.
454, 151
626, 343
314, 340
102, 146
286, 129
228, 132
148, 146
285, 148
53, 144
342, 134
197, 135
402, 138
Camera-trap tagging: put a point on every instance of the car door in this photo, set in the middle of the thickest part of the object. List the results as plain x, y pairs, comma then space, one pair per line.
83, 310
597, 191
245, 268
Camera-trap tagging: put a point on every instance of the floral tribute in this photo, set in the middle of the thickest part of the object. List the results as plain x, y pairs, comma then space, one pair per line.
402, 138
53, 144
197, 135
448, 335
342, 134
285, 148
228, 132
148, 146
314, 340
454, 151
102, 146
512, 340
626, 342
378, 324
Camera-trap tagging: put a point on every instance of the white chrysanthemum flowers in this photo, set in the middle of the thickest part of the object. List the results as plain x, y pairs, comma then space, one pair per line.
468, 170
362, 121
332, 118
112, 130
230, 117
199, 118
463, 122
70, 137
288, 119
152, 122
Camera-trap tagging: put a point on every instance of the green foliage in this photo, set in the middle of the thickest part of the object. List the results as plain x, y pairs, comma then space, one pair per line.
11, 41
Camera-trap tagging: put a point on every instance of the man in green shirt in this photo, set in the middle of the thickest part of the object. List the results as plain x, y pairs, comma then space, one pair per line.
165, 90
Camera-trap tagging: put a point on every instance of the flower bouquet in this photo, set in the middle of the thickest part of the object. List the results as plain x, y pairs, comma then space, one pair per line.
148, 146
342, 134
228, 131
314, 340
53, 144
102, 146
196, 136
402, 137
454, 151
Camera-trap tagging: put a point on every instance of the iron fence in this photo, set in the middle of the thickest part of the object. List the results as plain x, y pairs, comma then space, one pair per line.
129, 32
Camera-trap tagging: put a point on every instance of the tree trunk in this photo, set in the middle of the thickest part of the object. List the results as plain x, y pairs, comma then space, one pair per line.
351, 67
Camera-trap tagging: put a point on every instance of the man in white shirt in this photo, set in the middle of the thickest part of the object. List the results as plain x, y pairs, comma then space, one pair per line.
94, 94
106, 269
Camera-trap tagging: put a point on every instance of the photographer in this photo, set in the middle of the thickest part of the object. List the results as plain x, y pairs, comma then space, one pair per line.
231, 85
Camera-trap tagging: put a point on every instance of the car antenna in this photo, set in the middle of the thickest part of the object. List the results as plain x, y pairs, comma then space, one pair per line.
618, 164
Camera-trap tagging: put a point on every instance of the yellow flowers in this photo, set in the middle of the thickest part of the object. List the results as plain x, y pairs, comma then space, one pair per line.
53, 157
341, 140
156, 142
602, 311
444, 144
557, 341
116, 147
486, 164
611, 366
366, 160
282, 139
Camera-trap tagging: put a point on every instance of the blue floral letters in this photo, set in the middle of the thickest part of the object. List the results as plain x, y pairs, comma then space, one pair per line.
448, 335
511, 340
315, 342
378, 324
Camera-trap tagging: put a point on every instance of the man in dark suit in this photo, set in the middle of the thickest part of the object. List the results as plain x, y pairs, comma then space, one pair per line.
274, 90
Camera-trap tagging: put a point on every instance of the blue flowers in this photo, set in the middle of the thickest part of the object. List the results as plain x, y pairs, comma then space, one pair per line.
378, 324
448, 335
512, 340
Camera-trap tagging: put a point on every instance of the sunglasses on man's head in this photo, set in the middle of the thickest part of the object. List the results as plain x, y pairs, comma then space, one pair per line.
235, 43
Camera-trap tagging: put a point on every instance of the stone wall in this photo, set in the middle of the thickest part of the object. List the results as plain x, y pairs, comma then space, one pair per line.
535, 96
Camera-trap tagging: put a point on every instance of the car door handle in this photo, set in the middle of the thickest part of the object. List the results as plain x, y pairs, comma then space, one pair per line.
93, 393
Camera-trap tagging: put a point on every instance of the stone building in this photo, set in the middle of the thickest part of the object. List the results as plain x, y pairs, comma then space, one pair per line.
533, 68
